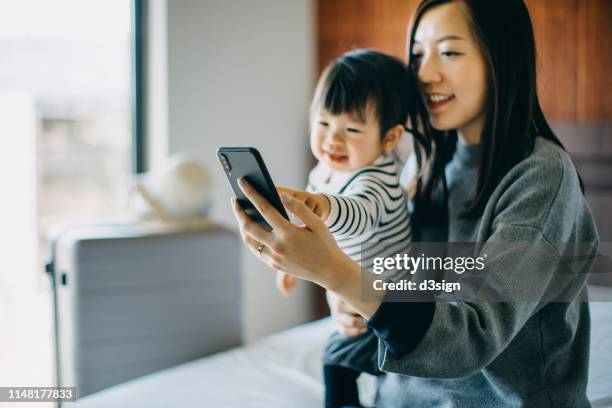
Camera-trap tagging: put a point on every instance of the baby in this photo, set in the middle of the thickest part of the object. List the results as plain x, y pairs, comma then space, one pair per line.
358, 114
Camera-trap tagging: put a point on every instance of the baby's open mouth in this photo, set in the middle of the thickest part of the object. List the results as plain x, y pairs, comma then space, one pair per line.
336, 158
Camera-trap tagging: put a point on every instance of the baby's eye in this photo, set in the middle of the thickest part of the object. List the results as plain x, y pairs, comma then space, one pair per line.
323, 123
353, 130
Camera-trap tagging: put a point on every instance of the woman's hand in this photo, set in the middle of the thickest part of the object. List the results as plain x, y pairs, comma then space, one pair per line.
317, 203
348, 321
308, 251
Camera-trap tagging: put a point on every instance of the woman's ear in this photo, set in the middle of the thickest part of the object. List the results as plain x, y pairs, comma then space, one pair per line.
392, 138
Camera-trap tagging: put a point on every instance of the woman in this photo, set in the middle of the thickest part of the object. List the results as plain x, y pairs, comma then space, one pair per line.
494, 173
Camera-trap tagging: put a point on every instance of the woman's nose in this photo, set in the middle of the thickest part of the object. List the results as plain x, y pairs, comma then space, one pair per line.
429, 71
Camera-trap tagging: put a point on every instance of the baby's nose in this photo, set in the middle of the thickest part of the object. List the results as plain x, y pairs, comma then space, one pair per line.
333, 143
334, 138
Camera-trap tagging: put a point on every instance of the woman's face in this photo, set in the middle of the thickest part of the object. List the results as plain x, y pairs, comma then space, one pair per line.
452, 71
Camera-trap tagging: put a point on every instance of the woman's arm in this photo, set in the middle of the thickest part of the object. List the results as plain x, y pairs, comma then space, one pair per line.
465, 336
310, 252
539, 246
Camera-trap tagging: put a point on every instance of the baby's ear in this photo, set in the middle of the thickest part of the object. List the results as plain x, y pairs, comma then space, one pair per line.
392, 138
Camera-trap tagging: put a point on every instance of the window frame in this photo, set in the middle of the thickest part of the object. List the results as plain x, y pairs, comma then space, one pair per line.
138, 29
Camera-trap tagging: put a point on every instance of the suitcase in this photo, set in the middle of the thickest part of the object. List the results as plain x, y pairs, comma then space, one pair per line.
134, 299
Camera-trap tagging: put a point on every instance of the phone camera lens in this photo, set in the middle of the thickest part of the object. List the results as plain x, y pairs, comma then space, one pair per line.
224, 162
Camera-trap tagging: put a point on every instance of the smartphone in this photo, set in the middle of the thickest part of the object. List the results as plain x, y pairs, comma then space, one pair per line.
246, 162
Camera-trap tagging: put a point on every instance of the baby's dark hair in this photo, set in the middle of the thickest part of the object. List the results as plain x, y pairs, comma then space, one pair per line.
362, 76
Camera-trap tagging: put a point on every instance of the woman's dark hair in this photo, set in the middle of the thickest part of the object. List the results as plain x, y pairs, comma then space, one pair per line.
362, 76
513, 115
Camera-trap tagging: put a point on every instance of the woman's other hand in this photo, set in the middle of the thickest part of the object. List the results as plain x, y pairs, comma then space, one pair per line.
348, 321
317, 203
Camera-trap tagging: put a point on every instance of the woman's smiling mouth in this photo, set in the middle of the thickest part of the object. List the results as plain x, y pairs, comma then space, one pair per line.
437, 101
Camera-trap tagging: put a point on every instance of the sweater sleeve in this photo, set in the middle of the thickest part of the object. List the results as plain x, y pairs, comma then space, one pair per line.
388, 323
462, 337
361, 206
539, 207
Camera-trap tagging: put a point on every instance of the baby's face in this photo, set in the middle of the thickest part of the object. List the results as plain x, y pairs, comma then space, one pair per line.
344, 142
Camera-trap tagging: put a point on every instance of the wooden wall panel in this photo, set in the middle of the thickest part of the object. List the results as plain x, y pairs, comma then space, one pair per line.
572, 39
594, 83
343, 25
554, 25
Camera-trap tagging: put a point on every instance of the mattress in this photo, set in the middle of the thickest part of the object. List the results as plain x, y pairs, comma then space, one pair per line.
599, 390
285, 370
279, 371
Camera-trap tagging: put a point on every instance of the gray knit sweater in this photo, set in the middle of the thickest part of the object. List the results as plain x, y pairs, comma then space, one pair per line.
511, 354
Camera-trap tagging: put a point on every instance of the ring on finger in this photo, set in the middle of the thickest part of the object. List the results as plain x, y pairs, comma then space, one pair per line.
260, 248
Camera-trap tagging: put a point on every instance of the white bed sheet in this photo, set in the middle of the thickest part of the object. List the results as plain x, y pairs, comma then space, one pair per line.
600, 362
281, 370
285, 370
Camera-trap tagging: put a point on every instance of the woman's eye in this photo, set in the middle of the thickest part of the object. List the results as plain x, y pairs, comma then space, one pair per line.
323, 123
353, 130
416, 56
451, 54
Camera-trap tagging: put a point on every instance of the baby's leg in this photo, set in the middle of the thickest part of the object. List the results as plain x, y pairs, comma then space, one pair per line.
359, 353
340, 386
344, 359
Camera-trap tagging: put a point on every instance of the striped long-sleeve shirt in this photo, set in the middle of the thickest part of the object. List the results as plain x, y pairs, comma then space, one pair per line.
368, 215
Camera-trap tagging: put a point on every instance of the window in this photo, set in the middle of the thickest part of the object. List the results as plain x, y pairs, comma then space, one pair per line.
66, 132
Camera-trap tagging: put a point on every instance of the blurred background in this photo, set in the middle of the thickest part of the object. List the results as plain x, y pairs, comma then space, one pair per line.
95, 93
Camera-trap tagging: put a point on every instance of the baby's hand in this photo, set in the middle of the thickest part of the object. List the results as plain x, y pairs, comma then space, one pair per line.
318, 203
285, 282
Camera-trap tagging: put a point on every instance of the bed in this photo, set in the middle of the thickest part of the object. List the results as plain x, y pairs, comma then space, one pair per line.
284, 370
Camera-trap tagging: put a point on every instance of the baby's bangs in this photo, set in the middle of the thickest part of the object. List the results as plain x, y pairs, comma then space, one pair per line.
343, 93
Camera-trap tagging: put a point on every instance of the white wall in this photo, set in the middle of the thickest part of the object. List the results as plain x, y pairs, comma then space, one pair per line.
239, 72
